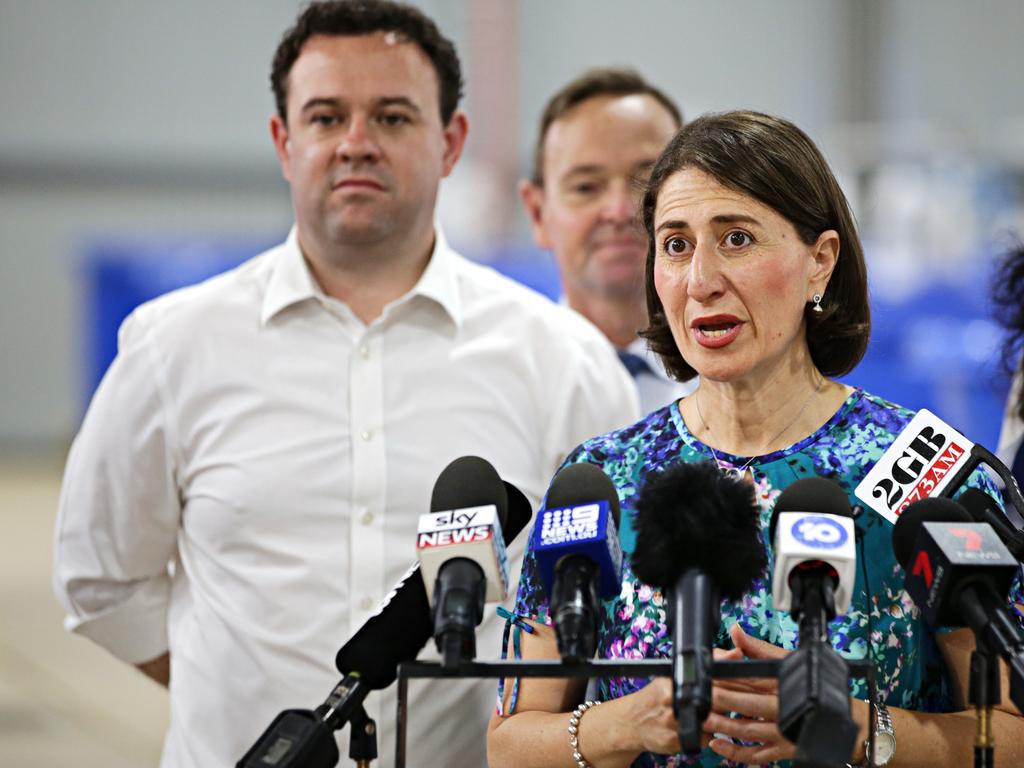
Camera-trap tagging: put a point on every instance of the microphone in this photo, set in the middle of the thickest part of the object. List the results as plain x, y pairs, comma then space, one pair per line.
698, 541
958, 573
369, 660
813, 534
813, 537
983, 509
579, 559
462, 553
403, 623
929, 459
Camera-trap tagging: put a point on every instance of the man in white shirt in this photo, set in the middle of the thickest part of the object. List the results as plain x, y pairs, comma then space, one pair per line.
598, 139
246, 483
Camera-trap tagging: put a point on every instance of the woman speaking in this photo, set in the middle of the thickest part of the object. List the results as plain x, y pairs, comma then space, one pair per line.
755, 282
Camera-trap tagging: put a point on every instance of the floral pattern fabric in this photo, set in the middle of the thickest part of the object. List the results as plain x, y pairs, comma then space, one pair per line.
910, 672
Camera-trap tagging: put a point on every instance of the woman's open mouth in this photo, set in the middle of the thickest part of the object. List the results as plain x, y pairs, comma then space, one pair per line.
718, 331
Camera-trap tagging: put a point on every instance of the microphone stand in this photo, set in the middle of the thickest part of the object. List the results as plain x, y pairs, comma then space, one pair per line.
814, 704
362, 745
991, 633
984, 695
691, 655
603, 668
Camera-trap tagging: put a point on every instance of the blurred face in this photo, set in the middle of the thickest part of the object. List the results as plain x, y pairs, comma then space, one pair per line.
596, 160
734, 277
363, 147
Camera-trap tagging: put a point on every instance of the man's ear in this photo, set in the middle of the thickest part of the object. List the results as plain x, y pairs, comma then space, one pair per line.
454, 136
279, 135
532, 196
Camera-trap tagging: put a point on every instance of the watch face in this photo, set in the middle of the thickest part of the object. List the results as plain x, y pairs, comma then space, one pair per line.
885, 747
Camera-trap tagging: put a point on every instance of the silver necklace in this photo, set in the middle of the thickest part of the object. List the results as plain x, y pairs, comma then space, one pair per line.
739, 472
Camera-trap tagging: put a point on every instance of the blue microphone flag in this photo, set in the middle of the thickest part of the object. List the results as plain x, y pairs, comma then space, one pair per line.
584, 529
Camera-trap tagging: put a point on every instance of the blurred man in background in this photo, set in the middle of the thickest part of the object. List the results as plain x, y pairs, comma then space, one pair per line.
599, 137
246, 484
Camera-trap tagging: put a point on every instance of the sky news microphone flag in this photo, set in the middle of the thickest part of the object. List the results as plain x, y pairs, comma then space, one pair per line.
462, 554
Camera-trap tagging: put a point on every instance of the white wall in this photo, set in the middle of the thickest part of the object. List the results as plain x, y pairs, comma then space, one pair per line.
151, 118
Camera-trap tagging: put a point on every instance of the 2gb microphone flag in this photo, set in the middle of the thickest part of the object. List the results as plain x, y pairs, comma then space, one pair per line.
919, 464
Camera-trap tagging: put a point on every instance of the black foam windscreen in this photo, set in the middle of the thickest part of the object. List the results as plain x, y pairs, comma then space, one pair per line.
691, 516
396, 634
935, 510
582, 484
810, 494
470, 481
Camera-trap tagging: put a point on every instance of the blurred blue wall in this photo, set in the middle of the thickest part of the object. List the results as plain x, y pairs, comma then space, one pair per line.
937, 349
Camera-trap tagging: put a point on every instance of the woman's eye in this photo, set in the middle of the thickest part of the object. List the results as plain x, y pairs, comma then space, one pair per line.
738, 239
676, 246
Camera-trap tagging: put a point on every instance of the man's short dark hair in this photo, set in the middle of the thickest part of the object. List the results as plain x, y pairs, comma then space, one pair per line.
770, 160
366, 17
614, 81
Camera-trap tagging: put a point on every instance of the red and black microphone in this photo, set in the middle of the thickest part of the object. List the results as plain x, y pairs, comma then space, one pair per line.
958, 573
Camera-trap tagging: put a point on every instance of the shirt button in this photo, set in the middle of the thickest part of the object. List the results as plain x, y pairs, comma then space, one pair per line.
366, 603
367, 518
364, 351
366, 435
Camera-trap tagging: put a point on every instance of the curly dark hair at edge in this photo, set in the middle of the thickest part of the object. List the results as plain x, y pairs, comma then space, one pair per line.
365, 17
771, 160
1008, 298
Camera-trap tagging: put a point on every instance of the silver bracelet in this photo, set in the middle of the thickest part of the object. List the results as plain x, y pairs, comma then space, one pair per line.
574, 726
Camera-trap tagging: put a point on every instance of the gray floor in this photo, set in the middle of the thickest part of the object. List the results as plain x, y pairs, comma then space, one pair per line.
63, 701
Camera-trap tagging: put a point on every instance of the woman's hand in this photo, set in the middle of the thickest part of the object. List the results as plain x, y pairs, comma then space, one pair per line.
757, 700
653, 718
652, 712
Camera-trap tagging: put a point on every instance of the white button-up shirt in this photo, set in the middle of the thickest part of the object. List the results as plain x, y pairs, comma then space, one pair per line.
245, 487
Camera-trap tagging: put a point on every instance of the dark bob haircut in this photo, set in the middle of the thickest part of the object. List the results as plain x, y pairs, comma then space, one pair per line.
366, 17
771, 160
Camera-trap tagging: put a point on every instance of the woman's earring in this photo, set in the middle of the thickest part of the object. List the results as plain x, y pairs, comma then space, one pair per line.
817, 303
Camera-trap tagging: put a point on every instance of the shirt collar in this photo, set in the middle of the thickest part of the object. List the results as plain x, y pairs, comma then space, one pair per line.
291, 281
439, 281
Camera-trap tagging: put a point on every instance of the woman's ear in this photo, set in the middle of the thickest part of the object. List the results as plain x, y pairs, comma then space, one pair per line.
825, 255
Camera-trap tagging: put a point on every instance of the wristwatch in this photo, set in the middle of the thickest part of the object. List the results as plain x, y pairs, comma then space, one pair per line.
885, 740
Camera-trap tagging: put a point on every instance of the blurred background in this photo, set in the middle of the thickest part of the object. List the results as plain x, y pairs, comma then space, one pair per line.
135, 158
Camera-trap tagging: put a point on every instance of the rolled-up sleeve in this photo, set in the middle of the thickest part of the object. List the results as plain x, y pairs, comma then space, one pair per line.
119, 511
